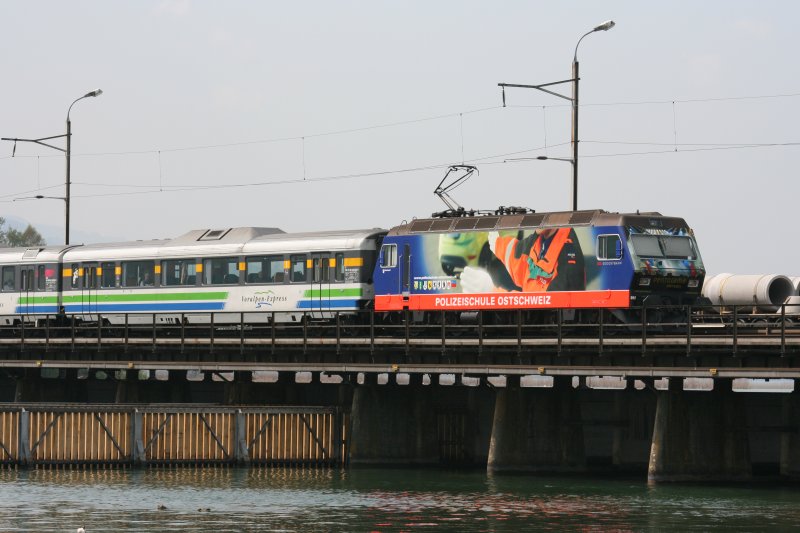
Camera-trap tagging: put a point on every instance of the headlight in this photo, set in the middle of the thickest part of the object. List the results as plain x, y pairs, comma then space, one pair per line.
644, 282
693, 283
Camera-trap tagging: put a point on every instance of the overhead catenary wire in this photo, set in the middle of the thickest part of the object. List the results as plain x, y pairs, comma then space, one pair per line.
413, 121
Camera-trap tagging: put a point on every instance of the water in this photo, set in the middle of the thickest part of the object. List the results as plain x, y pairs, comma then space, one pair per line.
368, 500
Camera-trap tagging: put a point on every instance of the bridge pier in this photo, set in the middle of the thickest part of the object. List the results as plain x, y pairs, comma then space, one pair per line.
634, 412
127, 389
419, 424
790, 438
537, 429
699, 436
392, 425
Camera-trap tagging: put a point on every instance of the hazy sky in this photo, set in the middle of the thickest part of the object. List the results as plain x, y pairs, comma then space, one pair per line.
196, 90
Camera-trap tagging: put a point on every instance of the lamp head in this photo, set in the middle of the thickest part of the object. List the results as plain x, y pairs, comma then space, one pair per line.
98, 92
605, 26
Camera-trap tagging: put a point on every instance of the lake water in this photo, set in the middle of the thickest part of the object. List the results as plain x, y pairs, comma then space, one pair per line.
297, 499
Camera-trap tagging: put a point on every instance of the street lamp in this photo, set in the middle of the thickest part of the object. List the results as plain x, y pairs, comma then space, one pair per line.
605, 26
67, 152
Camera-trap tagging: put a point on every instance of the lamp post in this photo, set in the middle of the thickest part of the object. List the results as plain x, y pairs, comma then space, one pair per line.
605, 26
67, 153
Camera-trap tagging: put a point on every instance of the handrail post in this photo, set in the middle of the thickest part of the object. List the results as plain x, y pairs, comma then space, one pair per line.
600, 332
480, 332
372, 331
644, 330
241, 333
689, 330
72, 332
305, 332
338, 333
126, 332
154, 333
559, 320
408, 330
444, 331
99, 331
46, 332
783, 329
211, 333
273, 333
183, 332
519, 332
735, 328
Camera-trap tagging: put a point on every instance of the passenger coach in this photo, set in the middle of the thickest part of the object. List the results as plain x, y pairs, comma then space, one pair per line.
236, 270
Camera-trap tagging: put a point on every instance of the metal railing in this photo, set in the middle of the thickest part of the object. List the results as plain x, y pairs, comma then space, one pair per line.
732, 328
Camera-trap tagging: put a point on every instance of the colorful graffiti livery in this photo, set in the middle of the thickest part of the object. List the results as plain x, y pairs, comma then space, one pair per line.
608, 260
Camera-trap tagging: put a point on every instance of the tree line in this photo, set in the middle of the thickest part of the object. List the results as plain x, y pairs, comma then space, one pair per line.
13, 238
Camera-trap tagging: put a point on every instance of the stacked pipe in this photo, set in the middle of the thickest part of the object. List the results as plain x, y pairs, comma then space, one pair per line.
763, 292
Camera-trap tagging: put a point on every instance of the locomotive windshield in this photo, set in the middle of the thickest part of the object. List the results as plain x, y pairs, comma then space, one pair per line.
666, 246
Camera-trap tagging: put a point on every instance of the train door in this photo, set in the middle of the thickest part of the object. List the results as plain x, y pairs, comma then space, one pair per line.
405, 272
90, 281
27, 276
320, 284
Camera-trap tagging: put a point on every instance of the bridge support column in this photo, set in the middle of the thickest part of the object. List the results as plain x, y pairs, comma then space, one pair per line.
634, 412
127, 387
237, 391
699, 436
392, 425
537, 429
26, 387
790, 439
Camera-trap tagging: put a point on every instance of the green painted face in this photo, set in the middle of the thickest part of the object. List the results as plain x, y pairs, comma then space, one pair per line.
467, 245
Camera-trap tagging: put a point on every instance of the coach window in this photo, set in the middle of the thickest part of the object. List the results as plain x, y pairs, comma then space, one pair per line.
221, 271
75, 280
48, 278
138, 273
609, 247
388, 256
265, 269
298, 272
40, 278
108, 278
8, 278
179, 272
338, 270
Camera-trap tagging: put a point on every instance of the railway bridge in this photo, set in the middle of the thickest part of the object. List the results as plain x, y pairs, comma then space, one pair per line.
684, 399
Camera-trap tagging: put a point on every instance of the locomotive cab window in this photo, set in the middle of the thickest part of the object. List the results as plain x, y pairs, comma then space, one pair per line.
678, 247
221, 271
646, 245
609, 247
388, 256
298, 272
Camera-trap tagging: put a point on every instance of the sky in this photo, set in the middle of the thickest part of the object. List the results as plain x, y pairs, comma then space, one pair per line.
343, 115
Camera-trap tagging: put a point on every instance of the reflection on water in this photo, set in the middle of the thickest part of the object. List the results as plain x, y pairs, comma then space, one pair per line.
297, 499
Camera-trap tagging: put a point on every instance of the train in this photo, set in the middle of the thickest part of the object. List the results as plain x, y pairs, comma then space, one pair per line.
507, 259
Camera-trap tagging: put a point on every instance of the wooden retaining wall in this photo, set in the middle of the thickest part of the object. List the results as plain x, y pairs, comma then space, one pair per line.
34, 435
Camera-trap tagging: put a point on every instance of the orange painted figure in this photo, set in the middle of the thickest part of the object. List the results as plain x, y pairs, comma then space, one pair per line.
547, 260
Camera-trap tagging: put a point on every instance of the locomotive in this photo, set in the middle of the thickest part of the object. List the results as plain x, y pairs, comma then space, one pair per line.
516, 259
510, 259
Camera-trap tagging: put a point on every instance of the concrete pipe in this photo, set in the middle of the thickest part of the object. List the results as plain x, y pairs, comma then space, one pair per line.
793, 306
796, 283
765, 291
